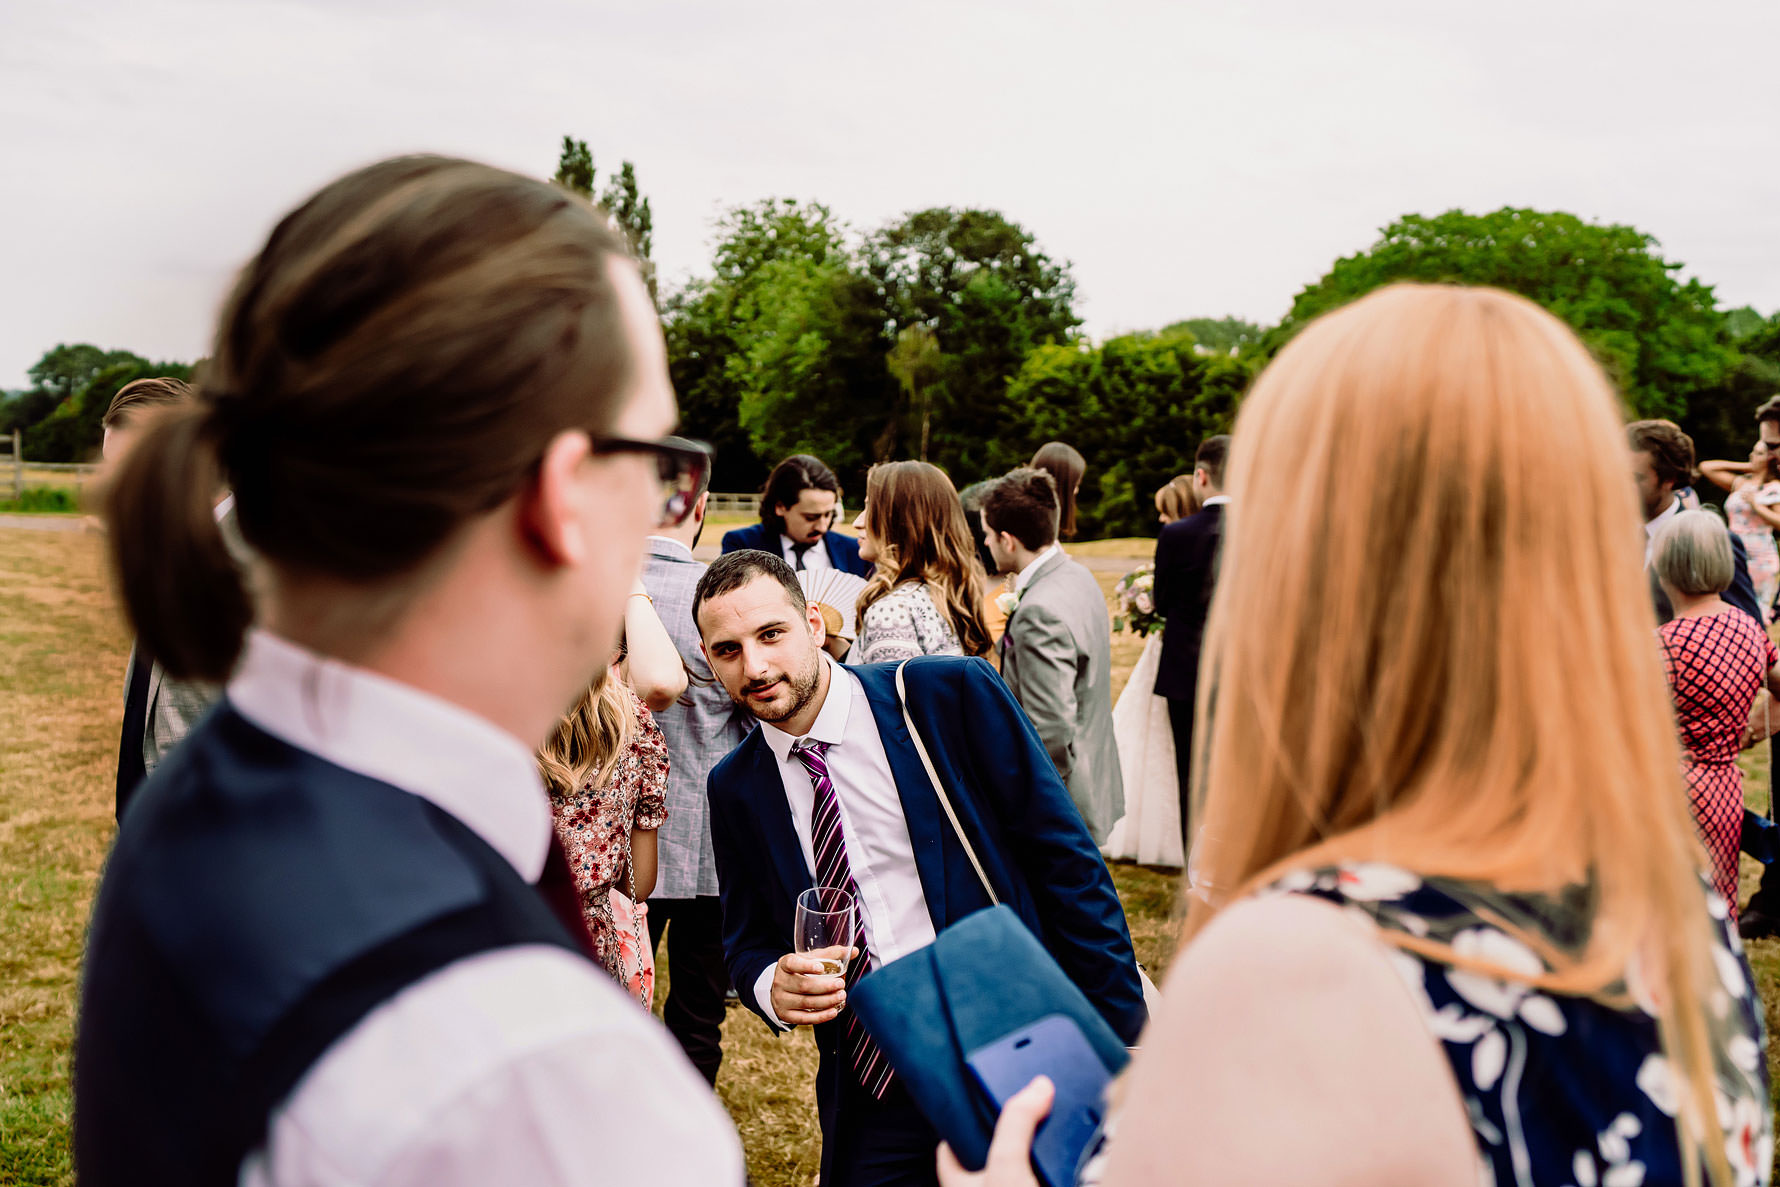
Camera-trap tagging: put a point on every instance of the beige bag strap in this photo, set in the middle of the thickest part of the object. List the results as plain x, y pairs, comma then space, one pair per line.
945, 801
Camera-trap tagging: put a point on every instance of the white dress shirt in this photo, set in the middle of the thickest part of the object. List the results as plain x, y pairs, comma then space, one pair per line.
523, 1065
1031, 566
1214, 501
893, 907
815, 558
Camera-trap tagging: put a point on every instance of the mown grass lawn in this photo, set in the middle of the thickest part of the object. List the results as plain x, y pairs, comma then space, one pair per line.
62, 654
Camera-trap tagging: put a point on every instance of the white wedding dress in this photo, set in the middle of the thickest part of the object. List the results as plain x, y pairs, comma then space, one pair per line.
1149, 832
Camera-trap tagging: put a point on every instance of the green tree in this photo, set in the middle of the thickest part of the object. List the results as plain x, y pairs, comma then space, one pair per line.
728, 340
810, 363
574, 167
64, 370
988, 295
630, 210
1220, 335
1721, 418
1660, 339
1137, 407
622, 200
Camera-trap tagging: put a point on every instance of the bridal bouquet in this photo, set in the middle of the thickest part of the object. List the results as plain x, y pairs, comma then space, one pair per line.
1136, 592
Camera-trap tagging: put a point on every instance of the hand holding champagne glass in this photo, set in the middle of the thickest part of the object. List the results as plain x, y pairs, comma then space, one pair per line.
827, 922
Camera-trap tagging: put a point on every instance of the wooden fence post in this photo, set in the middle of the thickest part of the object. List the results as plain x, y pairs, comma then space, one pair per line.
18, 470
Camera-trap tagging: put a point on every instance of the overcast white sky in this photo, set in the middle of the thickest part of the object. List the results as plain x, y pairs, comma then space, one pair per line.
1187, 158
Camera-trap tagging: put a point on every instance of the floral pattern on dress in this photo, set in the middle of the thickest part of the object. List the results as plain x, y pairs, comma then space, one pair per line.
594, 826
1561, 1091
902, 624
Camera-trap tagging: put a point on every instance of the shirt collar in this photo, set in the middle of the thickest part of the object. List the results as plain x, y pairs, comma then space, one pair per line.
1215, 501
669, 547
393, 732
831, 720
787, 544
1025, 575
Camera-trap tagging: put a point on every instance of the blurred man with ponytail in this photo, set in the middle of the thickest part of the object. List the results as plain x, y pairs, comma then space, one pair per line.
337, 940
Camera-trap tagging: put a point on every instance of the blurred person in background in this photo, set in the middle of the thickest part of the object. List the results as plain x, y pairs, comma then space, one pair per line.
685, 914
925, 595
1716, 659
336, 941
971, 497
1174, 501
1057, 653
1753, 509
1458, 888
1662, 466
1066, 467
798, 509
158, 711
1186, 576
606, 769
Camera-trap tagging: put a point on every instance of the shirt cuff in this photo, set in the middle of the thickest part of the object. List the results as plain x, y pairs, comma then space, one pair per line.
763, 995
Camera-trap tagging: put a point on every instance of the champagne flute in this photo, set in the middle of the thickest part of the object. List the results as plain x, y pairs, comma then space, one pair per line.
825, 926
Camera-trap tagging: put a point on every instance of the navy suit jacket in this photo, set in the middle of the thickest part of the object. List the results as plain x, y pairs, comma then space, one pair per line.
1186, 572
843, 551
1010, 800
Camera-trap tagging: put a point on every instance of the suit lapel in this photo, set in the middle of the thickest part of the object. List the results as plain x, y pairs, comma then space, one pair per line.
920, 807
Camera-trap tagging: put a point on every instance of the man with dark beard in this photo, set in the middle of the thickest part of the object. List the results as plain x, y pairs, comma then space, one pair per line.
831, 793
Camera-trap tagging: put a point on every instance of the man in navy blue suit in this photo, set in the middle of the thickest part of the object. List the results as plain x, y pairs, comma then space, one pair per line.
831, 789
797, 514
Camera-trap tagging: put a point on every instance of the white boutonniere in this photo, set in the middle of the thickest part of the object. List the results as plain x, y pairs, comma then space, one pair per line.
1007, 601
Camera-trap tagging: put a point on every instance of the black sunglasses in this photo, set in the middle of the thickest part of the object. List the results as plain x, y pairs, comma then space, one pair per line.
683, 466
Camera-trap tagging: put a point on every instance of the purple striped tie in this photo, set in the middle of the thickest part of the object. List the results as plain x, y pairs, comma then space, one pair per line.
833, 873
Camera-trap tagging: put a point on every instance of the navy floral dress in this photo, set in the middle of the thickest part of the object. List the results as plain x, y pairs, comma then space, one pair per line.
1562, 1091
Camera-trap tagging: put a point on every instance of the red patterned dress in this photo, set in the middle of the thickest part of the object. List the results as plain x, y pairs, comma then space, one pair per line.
1716, 664
594, 825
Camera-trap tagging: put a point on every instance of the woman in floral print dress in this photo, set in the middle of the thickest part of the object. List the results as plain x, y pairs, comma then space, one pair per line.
606, 769
1457, 932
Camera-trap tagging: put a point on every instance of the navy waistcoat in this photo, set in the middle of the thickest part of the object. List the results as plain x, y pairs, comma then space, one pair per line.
259, 902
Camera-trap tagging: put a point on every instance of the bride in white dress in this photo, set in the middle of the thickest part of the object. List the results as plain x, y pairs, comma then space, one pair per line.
1149, 832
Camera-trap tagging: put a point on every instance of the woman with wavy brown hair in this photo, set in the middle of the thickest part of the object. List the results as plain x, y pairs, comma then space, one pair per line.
1451, 925
925, 597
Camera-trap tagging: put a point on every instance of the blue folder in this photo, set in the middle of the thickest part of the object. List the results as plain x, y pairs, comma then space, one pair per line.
985, 977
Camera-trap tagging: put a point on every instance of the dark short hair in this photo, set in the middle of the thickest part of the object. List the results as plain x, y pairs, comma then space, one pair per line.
1213, 452
1770, 410
138, 394
786, 484
1670, 449
733, 570
1023, 503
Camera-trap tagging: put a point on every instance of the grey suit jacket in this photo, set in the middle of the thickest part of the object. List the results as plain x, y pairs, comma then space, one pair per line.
1057, 658
174, 707
700, 728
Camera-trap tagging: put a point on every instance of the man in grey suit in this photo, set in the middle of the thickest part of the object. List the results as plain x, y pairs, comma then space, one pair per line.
1057, 653
700, 728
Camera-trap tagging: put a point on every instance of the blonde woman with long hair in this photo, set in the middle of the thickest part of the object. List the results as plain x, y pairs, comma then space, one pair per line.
606, 767
925, 595
1453, 927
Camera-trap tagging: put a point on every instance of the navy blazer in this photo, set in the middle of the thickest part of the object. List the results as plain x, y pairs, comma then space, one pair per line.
1186, 572
1010, 800
843, 551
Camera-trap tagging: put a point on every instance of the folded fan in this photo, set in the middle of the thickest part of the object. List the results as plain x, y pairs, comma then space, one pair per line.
836, 594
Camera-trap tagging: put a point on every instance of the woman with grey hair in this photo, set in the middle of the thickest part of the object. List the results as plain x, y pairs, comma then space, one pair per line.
1717, 660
